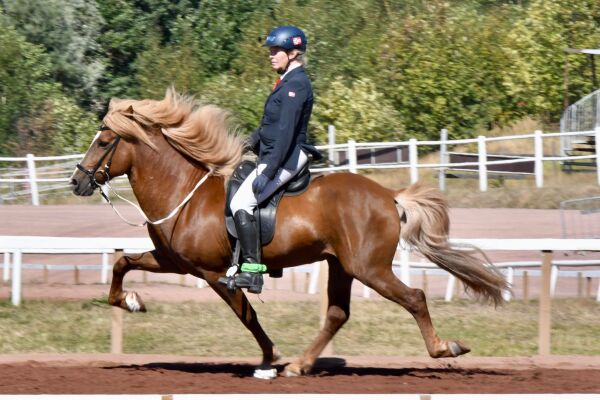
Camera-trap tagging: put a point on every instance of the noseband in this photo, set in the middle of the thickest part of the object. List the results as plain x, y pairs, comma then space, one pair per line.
91, 173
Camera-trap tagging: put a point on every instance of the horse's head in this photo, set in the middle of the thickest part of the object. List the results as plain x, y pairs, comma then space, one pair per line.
106, 158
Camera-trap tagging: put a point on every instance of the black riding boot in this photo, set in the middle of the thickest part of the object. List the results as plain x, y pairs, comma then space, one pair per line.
252, 269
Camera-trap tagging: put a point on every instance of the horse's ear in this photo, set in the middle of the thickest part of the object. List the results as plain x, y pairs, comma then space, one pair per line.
129, 112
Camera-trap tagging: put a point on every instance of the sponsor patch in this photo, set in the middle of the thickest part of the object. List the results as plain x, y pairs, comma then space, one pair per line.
297, 41
292, 94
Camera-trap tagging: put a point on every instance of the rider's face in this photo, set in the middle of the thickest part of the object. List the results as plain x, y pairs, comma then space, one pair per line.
279, 59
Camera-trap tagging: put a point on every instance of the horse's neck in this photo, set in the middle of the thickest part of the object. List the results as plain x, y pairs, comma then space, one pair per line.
162, 179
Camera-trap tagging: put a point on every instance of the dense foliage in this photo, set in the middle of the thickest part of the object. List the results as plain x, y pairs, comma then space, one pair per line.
381, 69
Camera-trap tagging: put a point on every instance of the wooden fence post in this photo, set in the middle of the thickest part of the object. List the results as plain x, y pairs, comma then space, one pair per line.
324, 301
116, 332
293, 280
525, 286
544, 312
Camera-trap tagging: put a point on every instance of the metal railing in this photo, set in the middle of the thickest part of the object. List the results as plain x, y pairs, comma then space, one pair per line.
584, 115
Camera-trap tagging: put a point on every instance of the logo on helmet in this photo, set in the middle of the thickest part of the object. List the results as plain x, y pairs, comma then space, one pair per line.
297, 41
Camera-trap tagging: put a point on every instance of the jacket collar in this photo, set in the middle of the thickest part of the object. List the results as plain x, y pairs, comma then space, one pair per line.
287, 77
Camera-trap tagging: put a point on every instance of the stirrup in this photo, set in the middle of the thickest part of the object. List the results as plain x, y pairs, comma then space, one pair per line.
249, 280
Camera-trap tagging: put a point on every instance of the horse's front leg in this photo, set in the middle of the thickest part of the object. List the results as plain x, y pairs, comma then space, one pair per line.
243, 309
147, 261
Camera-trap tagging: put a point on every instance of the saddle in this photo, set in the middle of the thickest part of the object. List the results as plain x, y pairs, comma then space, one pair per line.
266, 212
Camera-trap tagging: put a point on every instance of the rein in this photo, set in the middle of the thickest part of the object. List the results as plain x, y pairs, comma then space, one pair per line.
148, 221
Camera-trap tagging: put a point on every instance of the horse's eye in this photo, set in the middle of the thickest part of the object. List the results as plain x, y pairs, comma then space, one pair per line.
102, 144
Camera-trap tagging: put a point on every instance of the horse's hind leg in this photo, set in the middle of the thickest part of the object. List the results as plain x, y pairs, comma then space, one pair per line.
338, 312
413, 300
146, 261
245, 312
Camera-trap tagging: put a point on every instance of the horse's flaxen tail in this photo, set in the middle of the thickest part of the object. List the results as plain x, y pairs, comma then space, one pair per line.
426, 225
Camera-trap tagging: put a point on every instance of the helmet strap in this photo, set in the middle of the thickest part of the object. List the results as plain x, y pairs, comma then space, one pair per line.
289, 61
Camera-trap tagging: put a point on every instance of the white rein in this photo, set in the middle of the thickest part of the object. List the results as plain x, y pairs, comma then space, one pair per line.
160, 221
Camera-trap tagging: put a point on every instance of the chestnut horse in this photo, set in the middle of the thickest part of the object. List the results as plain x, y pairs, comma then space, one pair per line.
168, 147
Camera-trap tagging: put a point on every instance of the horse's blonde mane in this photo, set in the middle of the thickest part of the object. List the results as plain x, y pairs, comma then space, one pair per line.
202, 132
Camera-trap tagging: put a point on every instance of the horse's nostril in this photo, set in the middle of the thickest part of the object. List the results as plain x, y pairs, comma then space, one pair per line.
73, 182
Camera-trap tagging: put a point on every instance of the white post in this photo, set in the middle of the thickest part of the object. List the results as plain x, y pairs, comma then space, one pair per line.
366, 292
106, 192
443, 159
314, 278
16, 279
6, 272
482, 163
331, 141
553, 279
404, 263
510, 273
597, 132
538, 146
450, 287
352, 155
201, 283
413, 160
33, 180
105, 266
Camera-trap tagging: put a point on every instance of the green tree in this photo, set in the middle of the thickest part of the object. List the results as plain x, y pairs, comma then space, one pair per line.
441, 68
34, 114
57, 127
536, 49
24, 79
358, 112
177, 64
68, 30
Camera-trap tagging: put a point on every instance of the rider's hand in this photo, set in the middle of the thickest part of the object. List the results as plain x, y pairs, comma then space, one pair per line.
259, 184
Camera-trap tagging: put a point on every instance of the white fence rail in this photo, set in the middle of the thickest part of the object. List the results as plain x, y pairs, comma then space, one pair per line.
14, 247
483, 166
19, 245
31, 176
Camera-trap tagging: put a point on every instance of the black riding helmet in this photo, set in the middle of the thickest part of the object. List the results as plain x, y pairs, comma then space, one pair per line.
286, 37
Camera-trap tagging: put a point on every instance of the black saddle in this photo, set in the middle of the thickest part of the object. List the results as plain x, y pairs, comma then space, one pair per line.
266, 212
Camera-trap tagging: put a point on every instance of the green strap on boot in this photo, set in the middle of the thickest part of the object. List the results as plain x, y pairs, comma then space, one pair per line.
254, 267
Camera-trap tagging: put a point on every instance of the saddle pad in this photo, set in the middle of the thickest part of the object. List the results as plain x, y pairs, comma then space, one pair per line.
266, 212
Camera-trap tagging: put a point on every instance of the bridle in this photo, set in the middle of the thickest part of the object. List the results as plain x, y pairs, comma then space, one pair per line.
109, 152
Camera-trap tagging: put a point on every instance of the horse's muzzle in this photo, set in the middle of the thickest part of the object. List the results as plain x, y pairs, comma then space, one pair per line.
81, 186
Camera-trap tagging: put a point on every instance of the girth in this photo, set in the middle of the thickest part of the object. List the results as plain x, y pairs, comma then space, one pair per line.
266, 212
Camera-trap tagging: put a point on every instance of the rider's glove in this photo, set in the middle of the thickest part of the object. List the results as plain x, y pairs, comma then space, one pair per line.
259, 184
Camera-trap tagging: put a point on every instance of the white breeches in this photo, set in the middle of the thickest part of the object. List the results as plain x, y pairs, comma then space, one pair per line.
244, 198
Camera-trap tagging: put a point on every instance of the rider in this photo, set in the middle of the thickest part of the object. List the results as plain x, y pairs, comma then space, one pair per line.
280, 142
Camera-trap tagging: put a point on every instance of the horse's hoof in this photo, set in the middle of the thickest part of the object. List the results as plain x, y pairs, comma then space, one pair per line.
294, 370
458, 348
134, 303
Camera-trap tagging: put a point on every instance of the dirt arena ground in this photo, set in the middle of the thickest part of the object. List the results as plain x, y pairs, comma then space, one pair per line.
145, 374
119, 374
